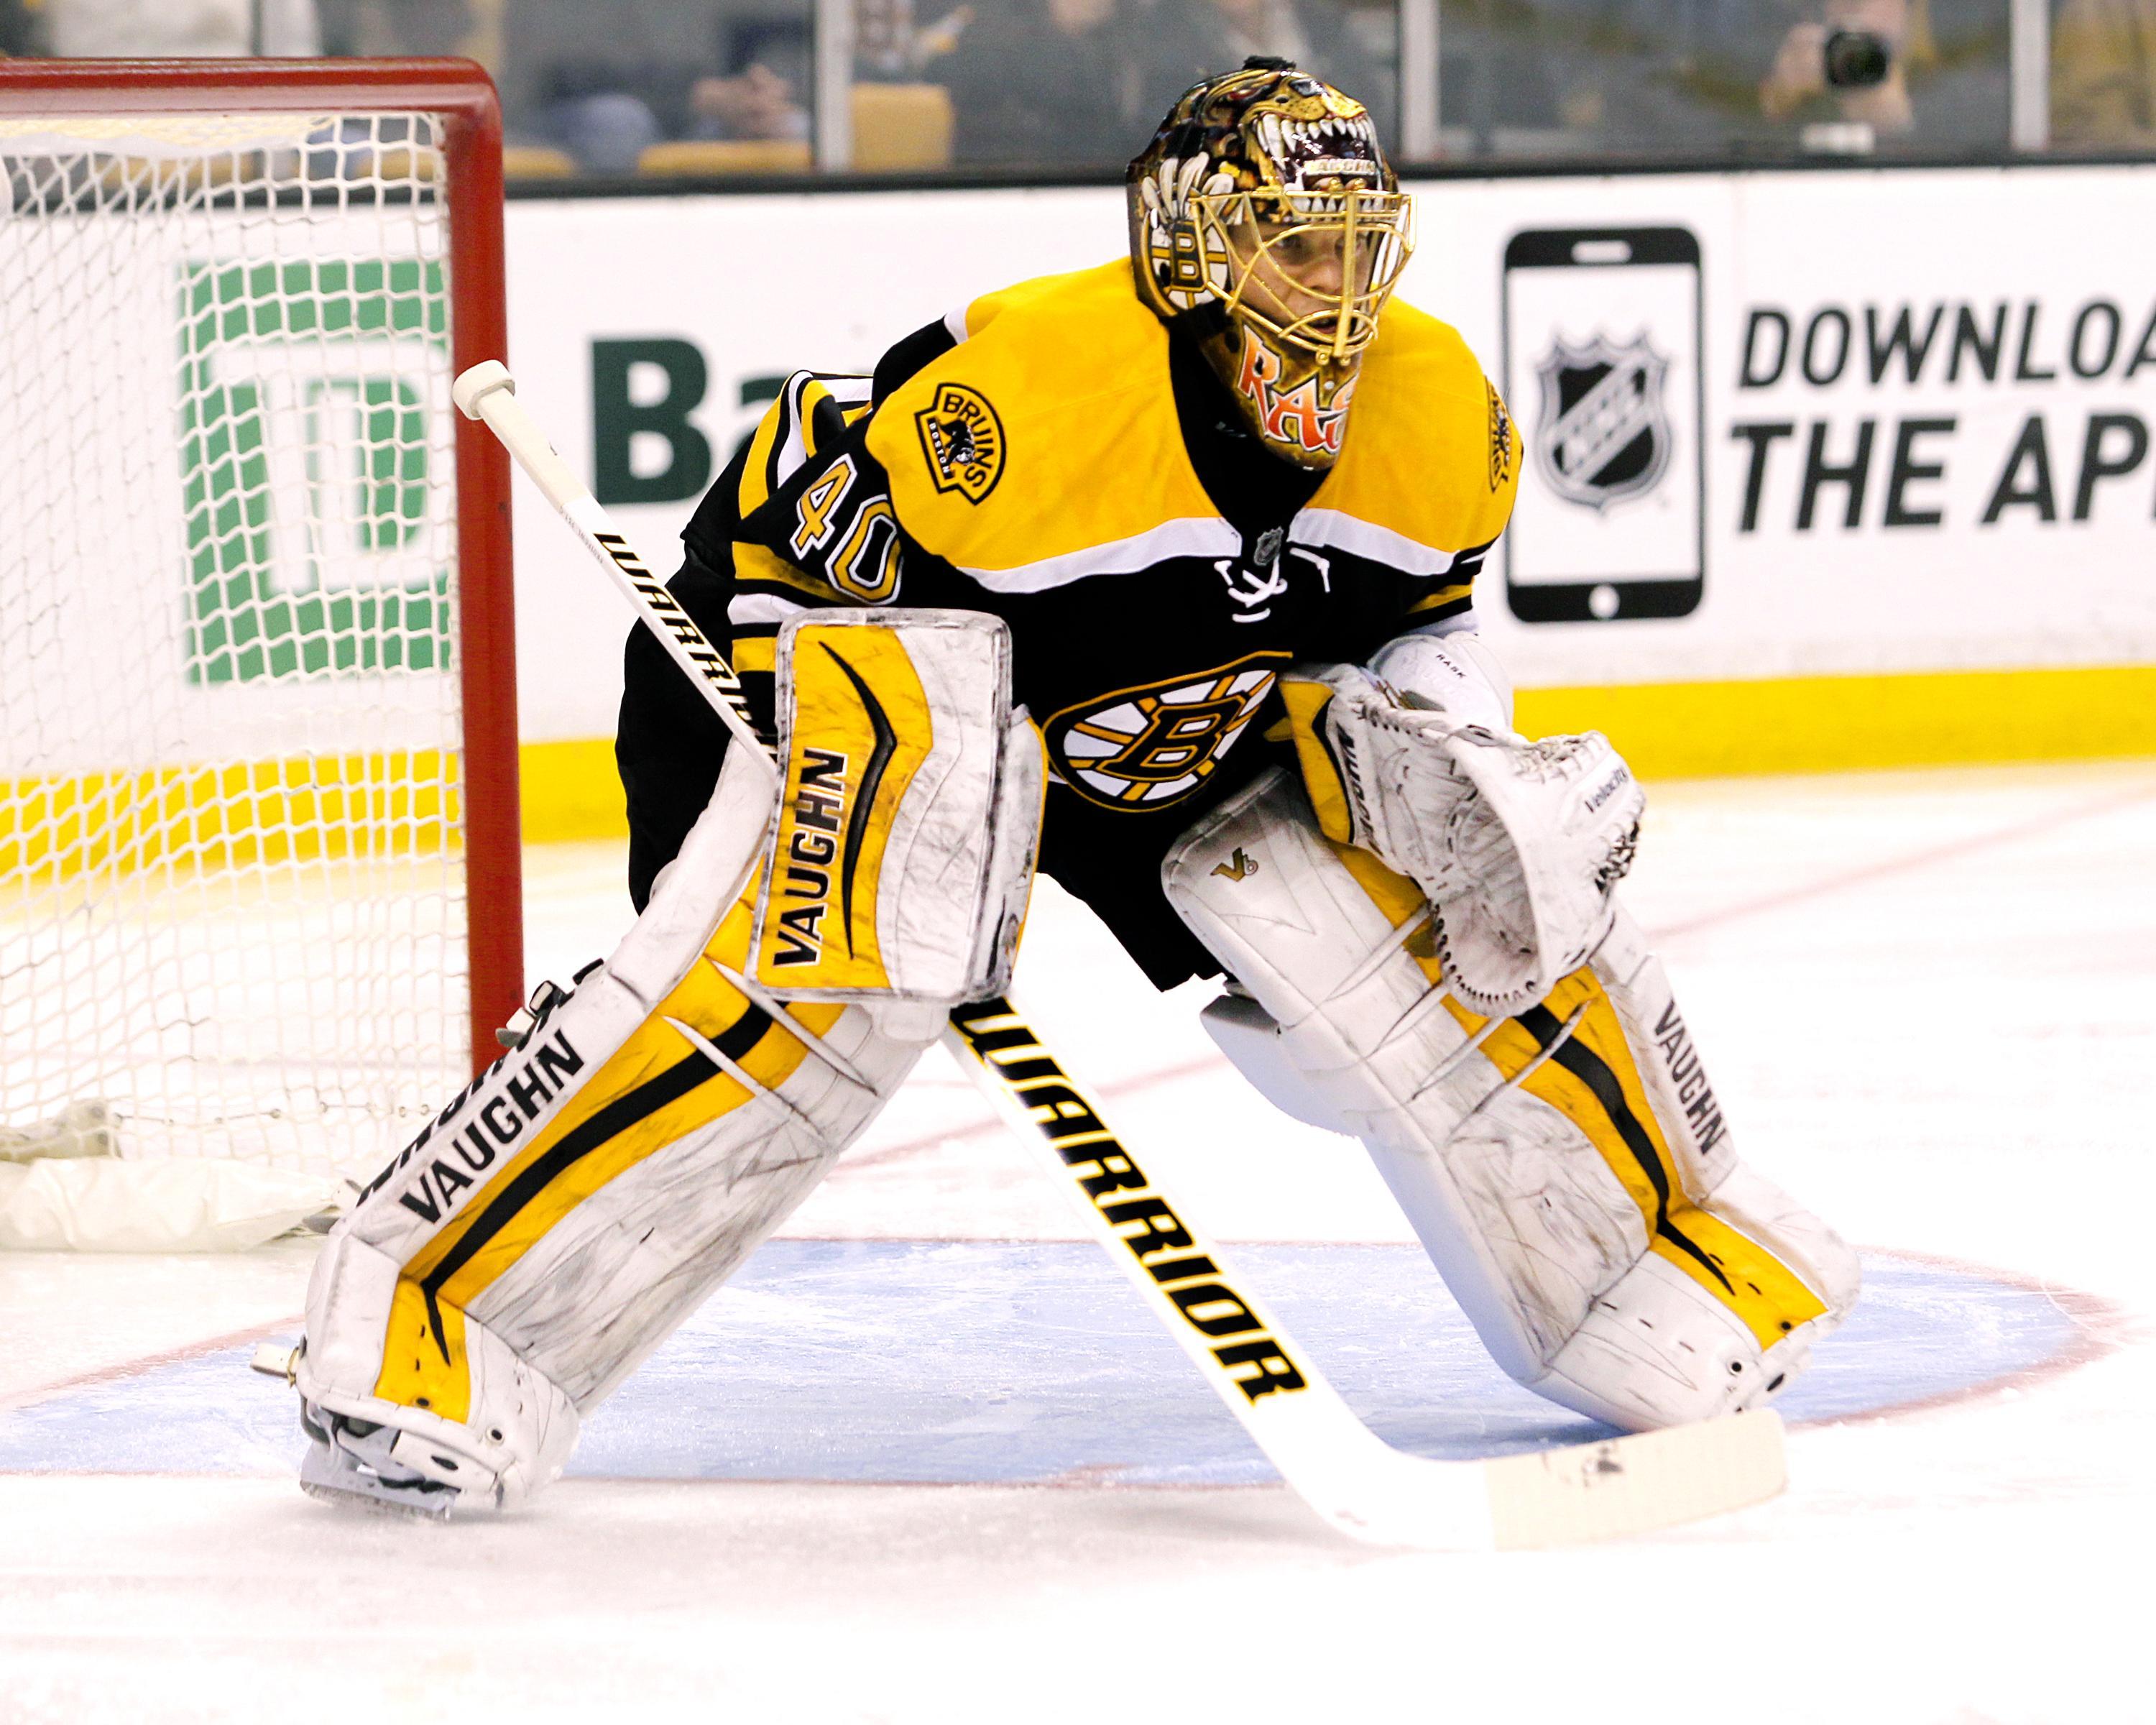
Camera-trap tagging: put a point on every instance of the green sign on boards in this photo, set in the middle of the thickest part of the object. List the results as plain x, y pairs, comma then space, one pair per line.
316, 544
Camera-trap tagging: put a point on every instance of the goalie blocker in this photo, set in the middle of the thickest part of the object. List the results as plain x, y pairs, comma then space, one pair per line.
560, 1218
1566, 1164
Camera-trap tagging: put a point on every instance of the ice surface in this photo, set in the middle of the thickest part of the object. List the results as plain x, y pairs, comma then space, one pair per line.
958, 1362
1926, 1000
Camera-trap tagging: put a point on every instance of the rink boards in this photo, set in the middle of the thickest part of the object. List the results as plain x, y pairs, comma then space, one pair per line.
1888, 460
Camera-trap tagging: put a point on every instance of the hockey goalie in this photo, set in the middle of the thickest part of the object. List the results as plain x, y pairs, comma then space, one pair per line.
1158, 576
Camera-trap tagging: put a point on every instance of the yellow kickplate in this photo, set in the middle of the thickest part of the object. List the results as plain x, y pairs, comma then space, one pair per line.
1824, 724
1843, 724
1634, 1485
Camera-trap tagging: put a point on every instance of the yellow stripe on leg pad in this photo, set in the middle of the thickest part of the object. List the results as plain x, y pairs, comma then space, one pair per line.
860, 728
418, 1370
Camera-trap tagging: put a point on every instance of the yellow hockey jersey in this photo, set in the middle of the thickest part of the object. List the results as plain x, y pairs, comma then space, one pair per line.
1047, 456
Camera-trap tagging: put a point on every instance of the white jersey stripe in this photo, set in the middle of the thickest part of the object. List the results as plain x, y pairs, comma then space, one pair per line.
1380, 544
761, 607
1186, 536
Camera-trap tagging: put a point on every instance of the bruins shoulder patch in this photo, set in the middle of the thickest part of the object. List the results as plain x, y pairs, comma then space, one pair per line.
963, 440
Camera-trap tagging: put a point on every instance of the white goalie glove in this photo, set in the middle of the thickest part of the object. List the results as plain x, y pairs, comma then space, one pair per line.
1518, 845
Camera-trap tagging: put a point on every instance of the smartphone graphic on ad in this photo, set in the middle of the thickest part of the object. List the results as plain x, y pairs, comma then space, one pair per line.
1603, 376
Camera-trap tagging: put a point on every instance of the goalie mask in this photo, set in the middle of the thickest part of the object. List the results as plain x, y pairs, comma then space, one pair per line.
1265, 220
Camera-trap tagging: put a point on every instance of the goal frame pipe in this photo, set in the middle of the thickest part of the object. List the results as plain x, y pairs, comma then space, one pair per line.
463, 95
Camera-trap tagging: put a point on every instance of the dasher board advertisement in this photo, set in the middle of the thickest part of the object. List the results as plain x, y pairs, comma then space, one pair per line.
1601, 371
1775, 424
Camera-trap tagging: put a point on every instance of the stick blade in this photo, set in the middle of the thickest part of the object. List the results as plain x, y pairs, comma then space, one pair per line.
1637, 1484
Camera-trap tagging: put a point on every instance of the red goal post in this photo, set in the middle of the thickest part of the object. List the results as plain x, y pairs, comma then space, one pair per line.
458, 112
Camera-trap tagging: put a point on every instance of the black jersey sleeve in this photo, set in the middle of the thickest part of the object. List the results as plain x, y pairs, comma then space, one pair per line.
800, 520
669, 744
908, 355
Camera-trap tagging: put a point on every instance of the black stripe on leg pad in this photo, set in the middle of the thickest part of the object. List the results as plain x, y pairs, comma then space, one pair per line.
1591, 1070
626, 1109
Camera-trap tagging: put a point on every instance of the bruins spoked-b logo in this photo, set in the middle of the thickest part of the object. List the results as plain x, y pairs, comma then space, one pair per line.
1145, 748
963, 441
1604, 435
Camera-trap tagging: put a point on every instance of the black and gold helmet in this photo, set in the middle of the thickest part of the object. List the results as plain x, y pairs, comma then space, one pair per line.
1265, 219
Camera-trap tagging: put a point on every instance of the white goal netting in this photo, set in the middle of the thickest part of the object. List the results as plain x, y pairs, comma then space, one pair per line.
232, 918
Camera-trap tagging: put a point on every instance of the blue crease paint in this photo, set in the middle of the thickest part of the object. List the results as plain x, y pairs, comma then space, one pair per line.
930, 1361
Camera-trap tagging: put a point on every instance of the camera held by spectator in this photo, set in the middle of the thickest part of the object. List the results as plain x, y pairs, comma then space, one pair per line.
1857, 56
1857, 60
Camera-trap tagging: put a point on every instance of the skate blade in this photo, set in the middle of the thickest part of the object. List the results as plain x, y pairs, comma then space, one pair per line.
349, 1489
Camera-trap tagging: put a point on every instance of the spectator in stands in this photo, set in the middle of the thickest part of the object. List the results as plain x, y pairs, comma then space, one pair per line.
603, 113
1798, 85
755, 103
375, 29
605, 84
180, 28
2104, 75
892, 46
1059, 83
606, 114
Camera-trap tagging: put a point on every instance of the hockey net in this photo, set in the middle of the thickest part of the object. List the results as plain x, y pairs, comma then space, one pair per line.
258, 820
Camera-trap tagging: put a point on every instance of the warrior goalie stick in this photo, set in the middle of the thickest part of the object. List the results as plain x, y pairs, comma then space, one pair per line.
1347, 1474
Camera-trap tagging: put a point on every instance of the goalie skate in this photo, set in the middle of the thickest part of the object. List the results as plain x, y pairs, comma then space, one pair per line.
353, 1464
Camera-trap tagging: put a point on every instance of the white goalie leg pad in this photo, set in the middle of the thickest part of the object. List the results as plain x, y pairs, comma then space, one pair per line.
506, 1272
1568, 1171
494, 1425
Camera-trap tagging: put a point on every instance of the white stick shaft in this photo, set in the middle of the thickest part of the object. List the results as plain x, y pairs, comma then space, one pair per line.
487, 393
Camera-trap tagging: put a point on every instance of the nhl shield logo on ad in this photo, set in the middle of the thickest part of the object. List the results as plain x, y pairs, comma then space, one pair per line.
1604, 434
